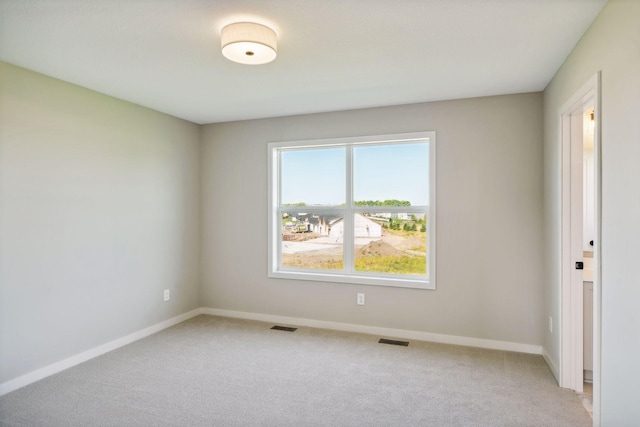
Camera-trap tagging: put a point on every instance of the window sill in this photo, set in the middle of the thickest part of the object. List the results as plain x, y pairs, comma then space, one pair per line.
395, 282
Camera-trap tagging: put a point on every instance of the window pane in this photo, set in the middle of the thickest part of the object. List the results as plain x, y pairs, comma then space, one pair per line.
312, 177
312, 241
391, 243
388, 174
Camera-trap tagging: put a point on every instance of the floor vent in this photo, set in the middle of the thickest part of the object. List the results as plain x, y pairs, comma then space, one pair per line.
284, 328
394, 342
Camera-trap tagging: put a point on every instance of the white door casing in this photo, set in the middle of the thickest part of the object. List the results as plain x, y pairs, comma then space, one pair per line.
572, 297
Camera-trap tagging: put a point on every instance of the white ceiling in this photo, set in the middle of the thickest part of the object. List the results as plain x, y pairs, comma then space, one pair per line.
332, 54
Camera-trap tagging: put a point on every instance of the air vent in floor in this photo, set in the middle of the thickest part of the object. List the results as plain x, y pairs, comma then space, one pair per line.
394, 342
284, 328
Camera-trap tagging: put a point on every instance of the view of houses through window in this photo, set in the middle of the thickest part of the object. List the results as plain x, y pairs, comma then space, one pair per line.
384, 242
354, 209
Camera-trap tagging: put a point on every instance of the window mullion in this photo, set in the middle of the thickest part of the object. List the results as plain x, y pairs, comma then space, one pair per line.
392, 209
348, 238
277, 208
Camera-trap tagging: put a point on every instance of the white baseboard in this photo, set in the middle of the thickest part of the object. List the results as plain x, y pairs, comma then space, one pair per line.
552, 366
39, 374
385, 332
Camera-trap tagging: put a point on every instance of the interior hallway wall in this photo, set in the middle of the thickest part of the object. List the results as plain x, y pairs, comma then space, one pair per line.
612, 46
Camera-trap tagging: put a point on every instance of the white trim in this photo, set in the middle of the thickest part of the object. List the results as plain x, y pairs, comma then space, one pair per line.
571, 325
431, 214
375, 330
409, 138
69, 362
72, 361
347, 274
348, 232
551, 364
397, 281
597, 279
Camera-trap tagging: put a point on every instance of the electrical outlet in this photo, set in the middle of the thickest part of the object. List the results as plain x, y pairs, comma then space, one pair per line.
167, 296
360, 299
550, 324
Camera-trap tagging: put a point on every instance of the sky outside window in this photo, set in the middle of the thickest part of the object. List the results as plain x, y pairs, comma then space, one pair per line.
387, 172
313, 176
381, 172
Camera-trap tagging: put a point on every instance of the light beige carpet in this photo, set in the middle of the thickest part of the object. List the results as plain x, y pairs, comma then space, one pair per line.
212, 371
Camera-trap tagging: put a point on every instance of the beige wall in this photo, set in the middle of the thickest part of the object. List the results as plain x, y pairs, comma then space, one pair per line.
99, 212
611, 45
100, 207
489, 201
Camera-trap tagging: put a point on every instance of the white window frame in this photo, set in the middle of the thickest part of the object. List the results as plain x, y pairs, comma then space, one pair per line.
349, 275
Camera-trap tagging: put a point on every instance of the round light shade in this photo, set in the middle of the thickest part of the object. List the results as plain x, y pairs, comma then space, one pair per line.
249, 43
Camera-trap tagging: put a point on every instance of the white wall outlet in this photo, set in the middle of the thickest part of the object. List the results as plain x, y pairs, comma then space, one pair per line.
167, 295
550, 324
360, 299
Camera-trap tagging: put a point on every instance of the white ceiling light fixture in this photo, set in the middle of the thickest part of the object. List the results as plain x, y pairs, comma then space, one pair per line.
249, 43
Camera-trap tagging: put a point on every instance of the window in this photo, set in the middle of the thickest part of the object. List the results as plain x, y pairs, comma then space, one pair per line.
354, 210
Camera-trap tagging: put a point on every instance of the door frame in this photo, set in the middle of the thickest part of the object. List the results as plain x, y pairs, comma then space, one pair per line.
571, 329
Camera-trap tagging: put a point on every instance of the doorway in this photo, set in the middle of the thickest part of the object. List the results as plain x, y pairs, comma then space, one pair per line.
580, 282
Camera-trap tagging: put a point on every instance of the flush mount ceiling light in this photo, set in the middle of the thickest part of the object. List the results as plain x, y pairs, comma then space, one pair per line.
249, 43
